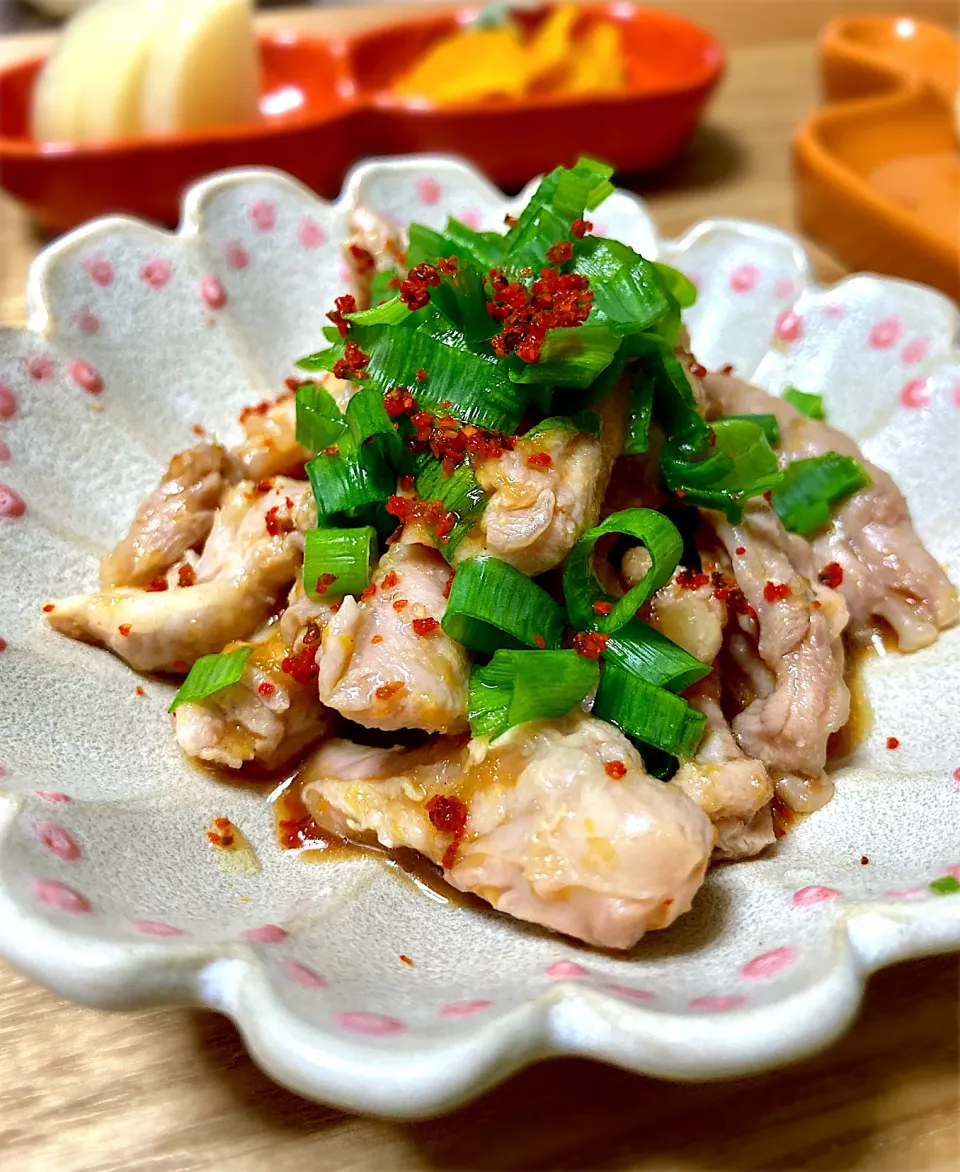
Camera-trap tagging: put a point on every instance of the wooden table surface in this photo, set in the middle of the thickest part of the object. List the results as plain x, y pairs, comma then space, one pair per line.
173, 1091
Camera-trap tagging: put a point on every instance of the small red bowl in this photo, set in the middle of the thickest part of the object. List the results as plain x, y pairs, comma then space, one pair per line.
328, 102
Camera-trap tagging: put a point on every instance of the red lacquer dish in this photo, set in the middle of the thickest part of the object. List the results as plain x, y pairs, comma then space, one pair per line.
327, 102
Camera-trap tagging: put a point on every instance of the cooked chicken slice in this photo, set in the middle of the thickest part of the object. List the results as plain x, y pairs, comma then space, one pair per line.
799, 642
538, 510
686, 609
267, 717
174, 518
385, 661
250, 557
270, 447
886, 571
302, 610
733, 790
546, 834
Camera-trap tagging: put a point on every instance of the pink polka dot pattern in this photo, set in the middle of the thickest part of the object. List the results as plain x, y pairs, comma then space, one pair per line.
808, 896
470, 217
156, 272
343, 272
8, 402
785, 287
53, 795
98, 269
213, 293
632, 993
303, 975
915, 393
884, 334
956, 775
155, 928
56, 894
310, 233
464, 1008
718, 1002
914, 351
264, 214
38, 366
788, 327
86, 377
744, 278
956, 395
905, 892
566, 968
87, 323
428, 190
768, 964
954, 870
236, 255
833, 310
58, 841
265, 934
375, 1025
4, 453
12, 503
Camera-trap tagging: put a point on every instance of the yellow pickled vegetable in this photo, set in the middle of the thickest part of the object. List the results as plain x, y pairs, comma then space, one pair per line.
470, 65
598, 66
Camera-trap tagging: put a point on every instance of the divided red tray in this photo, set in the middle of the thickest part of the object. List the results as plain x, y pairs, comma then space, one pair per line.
327, 103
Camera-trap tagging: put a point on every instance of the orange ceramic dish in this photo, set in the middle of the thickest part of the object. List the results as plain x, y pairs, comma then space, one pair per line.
328, 103
878, 172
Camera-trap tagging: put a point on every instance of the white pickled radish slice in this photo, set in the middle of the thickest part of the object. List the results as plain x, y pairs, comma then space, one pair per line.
203, 69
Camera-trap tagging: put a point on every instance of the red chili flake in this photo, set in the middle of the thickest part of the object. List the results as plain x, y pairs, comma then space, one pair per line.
400, 603
893, 743
590, 644
264, 485
740, 550
422, 375
615, 769
124, 629
303, 666
272, 520
312, 634
375, 639
580, 228
540, 460
369, 592
697, 369
390, 580
294, 384
399, 402
560, 253
539, 642
364, 261
198, 429
266, 688
680, 492
351, 365
816, 604
406, 959
448, 265
510, 221
688, 580
139, 690
425, 626
449, 584
449, 815
776, 591
433, 514
324, 582
157, 584
727, 368
179, 665
525, 314
258, 409
413, 291
333, 450
345, 304
186, 575
387, 691
406, 482
831, 575
601, 607
864, 860
48, 607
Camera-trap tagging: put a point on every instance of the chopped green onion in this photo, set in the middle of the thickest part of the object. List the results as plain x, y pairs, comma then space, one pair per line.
582, 588
561, 197
571, 356
369, 423
517, 686
810, 488
586, 422
810, 406
639, 413
391, 313
338, 561
492, 605
459, 493
658, 764
383, 287
320, 423
947, 885
627, 293
768, 424
647, 713
210, 674
350, 480
681, 287
639, 648
741, 465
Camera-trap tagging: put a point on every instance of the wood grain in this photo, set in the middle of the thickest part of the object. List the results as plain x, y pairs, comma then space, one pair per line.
174, 1091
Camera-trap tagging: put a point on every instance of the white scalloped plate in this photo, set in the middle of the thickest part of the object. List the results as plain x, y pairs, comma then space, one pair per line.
108, 891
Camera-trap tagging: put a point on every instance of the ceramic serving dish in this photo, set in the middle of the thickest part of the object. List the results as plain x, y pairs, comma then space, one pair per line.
109, 891
878, 170
327, 102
